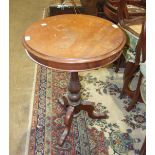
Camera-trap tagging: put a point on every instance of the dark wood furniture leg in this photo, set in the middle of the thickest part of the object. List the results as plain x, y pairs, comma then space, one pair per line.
72, 101
120, 62
136, 95
143, 149
129, 73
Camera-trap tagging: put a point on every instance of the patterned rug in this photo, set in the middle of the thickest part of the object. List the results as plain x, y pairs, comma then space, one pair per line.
121, 134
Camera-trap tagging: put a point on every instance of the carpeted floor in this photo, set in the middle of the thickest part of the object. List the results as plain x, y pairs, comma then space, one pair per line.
121, 134
21, 71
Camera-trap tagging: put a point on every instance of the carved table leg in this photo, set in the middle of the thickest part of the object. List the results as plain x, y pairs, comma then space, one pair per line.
87, 106
67, 121
74, 105
72, 100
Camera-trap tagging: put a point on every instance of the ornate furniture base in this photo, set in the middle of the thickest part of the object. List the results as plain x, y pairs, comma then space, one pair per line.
73, 103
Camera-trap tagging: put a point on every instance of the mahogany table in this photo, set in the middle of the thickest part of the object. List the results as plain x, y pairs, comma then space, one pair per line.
74, 43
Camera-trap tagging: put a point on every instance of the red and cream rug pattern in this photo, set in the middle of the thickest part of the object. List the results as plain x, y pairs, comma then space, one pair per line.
121, 134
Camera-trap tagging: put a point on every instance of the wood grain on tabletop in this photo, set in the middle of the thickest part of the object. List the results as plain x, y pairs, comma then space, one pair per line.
74, 39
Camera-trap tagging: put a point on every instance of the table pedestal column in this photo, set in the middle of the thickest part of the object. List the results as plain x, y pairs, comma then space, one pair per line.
73, 103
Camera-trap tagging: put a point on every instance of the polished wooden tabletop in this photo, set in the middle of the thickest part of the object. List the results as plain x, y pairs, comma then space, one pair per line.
74, 42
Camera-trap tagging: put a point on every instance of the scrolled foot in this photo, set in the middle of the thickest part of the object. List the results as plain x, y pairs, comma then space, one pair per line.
99, 115
87, 106
67, 121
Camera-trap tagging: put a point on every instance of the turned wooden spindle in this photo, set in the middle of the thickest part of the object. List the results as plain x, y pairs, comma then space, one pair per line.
74, 89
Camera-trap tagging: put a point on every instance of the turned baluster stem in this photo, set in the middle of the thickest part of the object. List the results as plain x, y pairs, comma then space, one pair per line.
74, 89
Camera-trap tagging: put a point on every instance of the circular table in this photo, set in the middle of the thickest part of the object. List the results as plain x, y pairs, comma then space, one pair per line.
74, 43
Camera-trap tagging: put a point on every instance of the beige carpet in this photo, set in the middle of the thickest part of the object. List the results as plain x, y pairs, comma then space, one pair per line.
22, 14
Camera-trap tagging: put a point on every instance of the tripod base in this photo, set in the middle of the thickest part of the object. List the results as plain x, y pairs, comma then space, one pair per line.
72, 111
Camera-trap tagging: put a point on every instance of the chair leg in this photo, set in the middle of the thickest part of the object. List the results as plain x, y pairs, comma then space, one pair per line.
129, 73
143, 149
127, 78
136, 94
